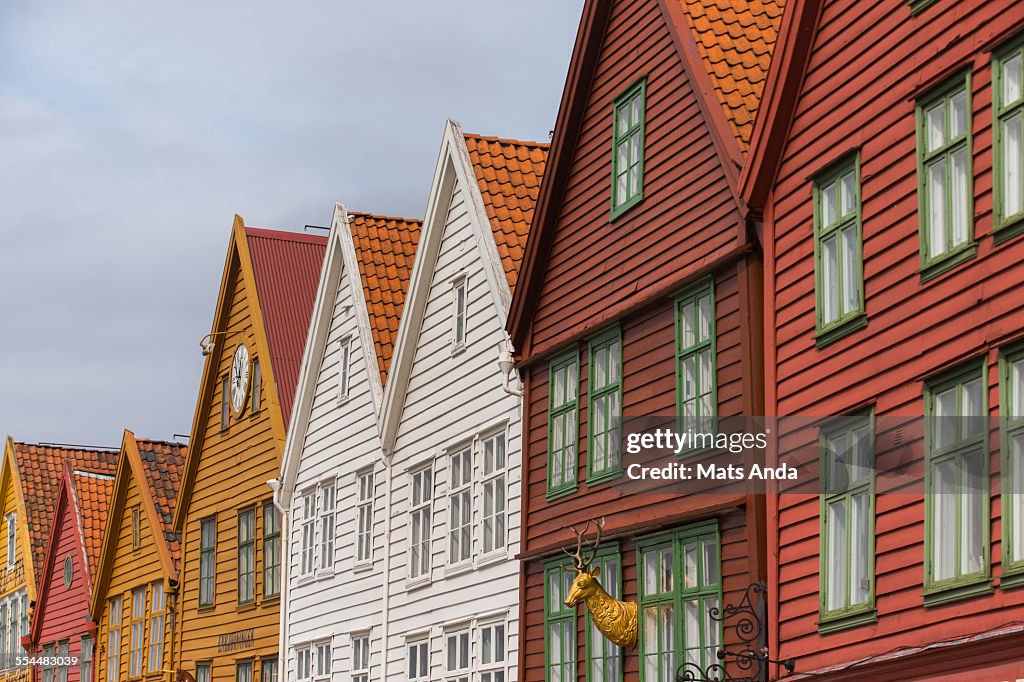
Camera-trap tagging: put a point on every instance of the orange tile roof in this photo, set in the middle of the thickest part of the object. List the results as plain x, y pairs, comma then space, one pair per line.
163, 463
736, 39
509, 174
93, 490
40, 468
384, 250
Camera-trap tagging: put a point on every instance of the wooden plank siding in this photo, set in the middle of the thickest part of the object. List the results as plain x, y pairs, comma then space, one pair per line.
867, 65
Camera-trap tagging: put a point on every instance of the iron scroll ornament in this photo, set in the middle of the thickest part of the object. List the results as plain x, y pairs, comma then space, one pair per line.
748, 623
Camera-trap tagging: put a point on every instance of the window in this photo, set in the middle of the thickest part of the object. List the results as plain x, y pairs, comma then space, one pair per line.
24, 618
559, 623
680, 589
243, 671
202, 672
956, 482
418, 657
137, 632
257, 381
268, 670
944, 172
459, 318
136, 529
344, 365
14, 641
304, 663
460, 506
69, 571
207, 560
361, 658
327, 527
246, 556
364, 514
12, 539
837, 247
225, 391
323, 659
307, 553
63, 658
604, 659
457, 656
420, 500
113, 640
563, 381
1008, 105
494, 489
5, 660
1012, 405
85, 659
696, 383
271, 551
628, 149
156, 628
48, 663
847, 520
493, 667
605, 409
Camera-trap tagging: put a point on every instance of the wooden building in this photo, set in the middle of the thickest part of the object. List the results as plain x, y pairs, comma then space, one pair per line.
640, 294
134, 603
60, 625
29, 481
888, 173
332, 486
229, 604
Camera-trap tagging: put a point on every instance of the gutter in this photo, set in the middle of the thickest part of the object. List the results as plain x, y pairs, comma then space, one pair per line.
282, 638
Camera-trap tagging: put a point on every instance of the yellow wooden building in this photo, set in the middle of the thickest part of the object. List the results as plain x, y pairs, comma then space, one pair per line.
134, 599
231, 530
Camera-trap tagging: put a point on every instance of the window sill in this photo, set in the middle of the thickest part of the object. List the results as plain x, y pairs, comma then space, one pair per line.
496, 556
206, 608
1011, 578
413, 584
622, 209
835, 623
464, 566
948, 261
604, 477
1013, 227
362, 566
833, 333
458, 349
305, 579
558, 494
323, 574
247, 606
270, 600
953, 593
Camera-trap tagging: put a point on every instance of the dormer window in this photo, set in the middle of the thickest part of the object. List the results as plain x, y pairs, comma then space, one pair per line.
459, 321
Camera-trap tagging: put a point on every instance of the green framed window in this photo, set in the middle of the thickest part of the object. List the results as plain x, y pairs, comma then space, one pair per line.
628, 148
847, 522
956, 484
1011, 401
945, 181
604, 413
1008, 149
271, 550
680, 588
563, 383
696, 380
559, 623
246, 556
207, 560
838, 249
604, 659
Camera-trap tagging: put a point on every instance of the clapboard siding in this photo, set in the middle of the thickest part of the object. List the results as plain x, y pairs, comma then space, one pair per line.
914, 329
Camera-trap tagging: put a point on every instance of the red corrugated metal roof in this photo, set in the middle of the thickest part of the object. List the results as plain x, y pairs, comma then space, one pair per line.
287, 269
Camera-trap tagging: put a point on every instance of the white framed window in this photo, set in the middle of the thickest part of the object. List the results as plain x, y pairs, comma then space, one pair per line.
495, 488
243, 671
47, 666
307, 551
327, 517
344, 367
493, 666
304, 663
459, 306
156, 628
323, 659
203, 672
137, 632
364, 516
460, 506
361, 658
421, 498
113, 640
12, 539
63, 656
456, 665
418, 659
85, 659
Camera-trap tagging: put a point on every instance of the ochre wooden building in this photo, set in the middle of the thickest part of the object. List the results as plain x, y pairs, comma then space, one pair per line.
60, 625
640, 294
888, 171
134, 602
232, 534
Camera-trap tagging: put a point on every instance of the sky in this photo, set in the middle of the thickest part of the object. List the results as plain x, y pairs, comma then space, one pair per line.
131, 133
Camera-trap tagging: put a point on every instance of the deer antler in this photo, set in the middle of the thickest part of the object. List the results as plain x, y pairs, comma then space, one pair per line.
581, 563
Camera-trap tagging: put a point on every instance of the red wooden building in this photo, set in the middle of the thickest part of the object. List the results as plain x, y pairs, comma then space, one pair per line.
640, 294
887, 166
60, 627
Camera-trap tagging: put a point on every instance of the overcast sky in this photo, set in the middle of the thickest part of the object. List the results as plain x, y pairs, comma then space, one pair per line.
131, 133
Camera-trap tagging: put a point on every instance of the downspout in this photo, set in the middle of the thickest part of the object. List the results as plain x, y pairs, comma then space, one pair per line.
282, 638
387, 458
505, 364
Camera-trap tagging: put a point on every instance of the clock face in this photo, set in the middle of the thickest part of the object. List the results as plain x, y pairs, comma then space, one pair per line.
239, 383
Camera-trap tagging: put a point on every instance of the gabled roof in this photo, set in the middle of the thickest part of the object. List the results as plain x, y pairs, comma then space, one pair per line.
287, 270
93, 490
162, 463
38, 470
509, 173
384, 252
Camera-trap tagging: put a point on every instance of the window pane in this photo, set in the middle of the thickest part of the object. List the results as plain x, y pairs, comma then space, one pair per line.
837, 557
973, 503
828, 204
945, 519
936, 180
860, 537
830, 280
934, 127
849, 192
1017, 496
945, 418
959, 200
851, 294
1011, 78
1013, 164
958, 114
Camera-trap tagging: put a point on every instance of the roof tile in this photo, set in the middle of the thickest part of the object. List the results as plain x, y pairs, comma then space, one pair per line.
163, 463
92, 491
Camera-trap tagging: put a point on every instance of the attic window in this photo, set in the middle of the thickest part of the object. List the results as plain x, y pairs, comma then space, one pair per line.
628, 148
257, 380
344, 367
459, 291
69, 571
12, 534
136, 534
225, 390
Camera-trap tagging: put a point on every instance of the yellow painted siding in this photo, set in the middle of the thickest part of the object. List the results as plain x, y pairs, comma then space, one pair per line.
17, 577
233, 468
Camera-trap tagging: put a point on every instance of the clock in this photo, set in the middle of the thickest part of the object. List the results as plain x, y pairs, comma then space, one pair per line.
239, 383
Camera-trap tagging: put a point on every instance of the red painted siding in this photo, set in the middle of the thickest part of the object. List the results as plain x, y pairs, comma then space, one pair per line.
849, 100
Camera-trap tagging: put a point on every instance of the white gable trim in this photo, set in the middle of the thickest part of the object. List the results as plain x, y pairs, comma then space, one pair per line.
454, 169
340, 265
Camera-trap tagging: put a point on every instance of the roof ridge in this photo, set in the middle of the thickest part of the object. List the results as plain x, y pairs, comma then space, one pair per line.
67, 447
285, 235
507, 140
92, 474
379, 216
